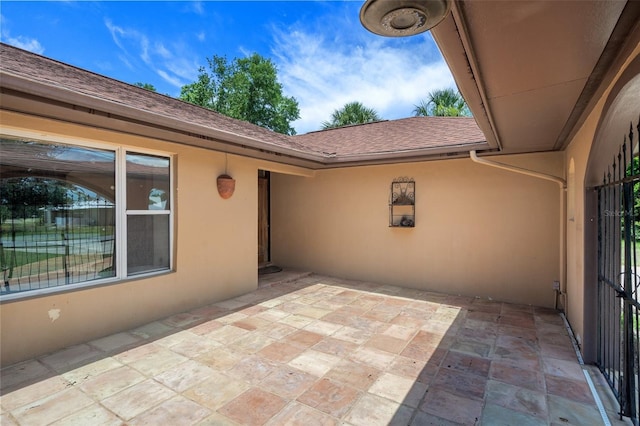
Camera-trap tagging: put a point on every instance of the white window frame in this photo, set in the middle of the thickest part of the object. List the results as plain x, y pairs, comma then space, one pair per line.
122, 213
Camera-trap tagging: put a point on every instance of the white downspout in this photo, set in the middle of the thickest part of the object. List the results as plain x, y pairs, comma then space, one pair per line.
563, 186
556, 179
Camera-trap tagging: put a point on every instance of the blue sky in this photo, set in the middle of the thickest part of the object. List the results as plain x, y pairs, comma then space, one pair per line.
325, 58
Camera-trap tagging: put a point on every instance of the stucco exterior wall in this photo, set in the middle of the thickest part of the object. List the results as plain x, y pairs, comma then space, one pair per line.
215, 246
592, 150
480, 231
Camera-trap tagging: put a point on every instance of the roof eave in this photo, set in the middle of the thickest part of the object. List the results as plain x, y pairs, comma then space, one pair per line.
61, 94
454, 43
408, 154
69, 106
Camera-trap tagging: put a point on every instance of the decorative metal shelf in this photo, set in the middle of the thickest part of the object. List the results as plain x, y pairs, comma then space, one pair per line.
402, 203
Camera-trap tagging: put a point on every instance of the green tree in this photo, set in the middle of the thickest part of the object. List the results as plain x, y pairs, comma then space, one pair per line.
22, 197
246, 89
148, 86
443, 103
633, 169
351, 113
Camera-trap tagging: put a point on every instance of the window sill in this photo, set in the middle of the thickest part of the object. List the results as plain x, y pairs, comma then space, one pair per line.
20, 296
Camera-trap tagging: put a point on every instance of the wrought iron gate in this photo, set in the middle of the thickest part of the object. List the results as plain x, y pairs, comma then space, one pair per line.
618, 275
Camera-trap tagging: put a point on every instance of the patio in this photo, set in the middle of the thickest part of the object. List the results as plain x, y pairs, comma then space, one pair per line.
309, 349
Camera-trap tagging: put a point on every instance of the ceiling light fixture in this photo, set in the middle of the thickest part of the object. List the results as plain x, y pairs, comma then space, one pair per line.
401, 18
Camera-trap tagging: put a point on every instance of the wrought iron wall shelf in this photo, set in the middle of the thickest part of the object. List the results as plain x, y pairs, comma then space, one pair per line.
402, 203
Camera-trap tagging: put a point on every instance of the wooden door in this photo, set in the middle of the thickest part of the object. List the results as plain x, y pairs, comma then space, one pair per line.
263, 221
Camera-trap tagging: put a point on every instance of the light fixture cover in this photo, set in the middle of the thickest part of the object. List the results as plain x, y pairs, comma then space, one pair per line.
400, 18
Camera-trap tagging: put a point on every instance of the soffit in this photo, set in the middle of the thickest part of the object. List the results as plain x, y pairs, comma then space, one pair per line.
526, 66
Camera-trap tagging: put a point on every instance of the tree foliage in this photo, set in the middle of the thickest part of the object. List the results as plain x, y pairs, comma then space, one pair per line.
148, 86
443, 103
633, 169
246, 89
22, 197
351, 113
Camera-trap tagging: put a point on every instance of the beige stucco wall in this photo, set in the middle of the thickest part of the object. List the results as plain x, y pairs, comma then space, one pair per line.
216, 256
578, 152
591, 150
480, 231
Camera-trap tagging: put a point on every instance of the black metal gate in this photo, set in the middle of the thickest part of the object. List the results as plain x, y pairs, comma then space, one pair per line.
618, 279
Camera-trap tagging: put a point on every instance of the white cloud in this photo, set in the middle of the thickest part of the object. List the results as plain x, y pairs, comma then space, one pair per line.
26, 43
174, 81
324, 60
170, 62
22, 42
324, 70
197, 7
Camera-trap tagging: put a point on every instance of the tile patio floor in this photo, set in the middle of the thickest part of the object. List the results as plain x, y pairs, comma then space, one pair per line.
312, 350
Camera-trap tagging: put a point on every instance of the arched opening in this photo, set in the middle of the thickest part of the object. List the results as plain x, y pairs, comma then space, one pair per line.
611, 295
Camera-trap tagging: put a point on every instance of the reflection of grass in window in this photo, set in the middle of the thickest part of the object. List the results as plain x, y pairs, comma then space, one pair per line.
16, 258
27, 229
32, 264
106, 272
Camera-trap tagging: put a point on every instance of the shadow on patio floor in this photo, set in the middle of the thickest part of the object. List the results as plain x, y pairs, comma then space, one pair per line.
308, 349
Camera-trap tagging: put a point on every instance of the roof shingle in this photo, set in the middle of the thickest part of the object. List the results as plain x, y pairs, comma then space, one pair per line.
378, 138
407, 134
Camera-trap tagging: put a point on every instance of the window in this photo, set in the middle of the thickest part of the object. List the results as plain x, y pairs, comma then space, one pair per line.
148, 213
77, 216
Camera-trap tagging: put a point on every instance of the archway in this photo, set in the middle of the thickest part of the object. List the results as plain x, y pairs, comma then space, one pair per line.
611, 294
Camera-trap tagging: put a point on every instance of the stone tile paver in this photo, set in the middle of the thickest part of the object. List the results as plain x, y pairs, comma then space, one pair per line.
254, 407
495, 415
216, 390
296, 414
399, 389
359, 376
314, 362
309, 350
33, 392
176, 411
137, 399
371, 410
568, 412
111, 382
330, 397
456, 408
91, 415
287, 382
516, 398
52, 408
72, 357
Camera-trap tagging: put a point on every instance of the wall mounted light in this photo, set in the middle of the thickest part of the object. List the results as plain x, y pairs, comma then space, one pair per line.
401, 18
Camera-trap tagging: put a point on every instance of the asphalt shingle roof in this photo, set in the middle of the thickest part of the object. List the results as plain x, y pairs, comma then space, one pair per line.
381, 138
407, 134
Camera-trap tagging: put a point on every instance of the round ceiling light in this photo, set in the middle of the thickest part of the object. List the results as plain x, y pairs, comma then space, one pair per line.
400, 18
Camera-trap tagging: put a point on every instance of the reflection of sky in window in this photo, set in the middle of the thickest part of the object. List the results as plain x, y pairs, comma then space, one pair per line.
59, 152
148, 160
67, 153
86, 193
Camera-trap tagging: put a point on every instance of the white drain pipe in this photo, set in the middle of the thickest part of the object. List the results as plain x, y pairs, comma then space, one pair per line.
556, 179
563, 186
